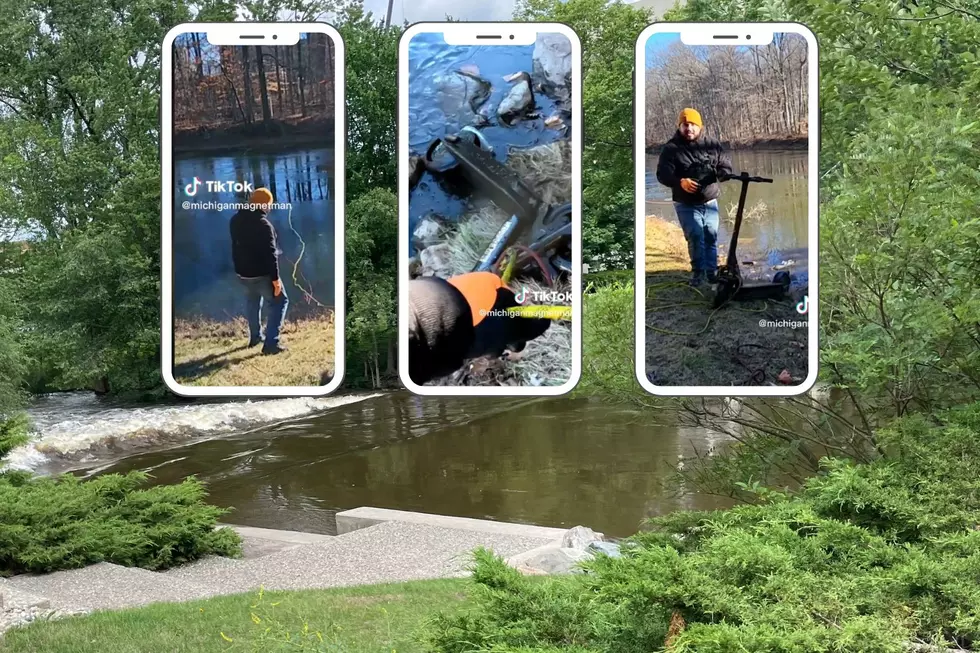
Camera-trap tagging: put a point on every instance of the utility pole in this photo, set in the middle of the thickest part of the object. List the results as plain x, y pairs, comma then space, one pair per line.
391, 5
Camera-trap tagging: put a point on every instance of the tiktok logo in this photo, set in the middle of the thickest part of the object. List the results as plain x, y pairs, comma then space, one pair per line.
803, 306
191, 188
521, 296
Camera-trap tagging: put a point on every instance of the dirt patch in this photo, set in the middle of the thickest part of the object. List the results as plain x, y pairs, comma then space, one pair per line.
690, 343
214, 353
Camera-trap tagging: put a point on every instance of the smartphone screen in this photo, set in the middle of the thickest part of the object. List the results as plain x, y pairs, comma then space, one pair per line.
726, 153
253, 232
489, 227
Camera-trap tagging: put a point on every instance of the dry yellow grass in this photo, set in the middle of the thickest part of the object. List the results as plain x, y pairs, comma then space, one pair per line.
666, 248
213, 353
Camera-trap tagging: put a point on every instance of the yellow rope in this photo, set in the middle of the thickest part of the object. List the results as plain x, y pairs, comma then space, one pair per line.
309, 294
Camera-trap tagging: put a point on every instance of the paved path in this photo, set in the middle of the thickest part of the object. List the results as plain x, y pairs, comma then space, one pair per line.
379, 546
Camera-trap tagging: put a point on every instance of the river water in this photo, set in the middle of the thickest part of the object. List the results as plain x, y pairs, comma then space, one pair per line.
204, 278
776, 231
293, 463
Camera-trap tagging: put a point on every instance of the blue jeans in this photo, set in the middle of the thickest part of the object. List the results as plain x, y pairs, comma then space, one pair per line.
257, 290
700, 225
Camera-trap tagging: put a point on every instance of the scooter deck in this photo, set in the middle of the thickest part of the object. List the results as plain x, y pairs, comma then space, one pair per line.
494, 180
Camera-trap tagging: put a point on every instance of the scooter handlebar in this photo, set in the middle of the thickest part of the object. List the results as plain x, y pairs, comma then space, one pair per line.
744, 176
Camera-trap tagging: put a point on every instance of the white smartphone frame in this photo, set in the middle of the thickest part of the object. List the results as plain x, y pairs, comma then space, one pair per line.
733, 34
242, 33
476, 34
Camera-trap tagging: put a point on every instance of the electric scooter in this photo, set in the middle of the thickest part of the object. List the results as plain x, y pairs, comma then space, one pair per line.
730, 285
472, 154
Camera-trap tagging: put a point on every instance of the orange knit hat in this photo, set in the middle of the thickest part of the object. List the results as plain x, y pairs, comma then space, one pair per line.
262, 196
691, 116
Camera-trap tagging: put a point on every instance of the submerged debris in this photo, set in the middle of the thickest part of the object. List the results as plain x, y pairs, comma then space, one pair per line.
518, 101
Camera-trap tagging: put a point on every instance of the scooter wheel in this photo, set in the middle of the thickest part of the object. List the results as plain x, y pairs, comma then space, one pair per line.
782, 277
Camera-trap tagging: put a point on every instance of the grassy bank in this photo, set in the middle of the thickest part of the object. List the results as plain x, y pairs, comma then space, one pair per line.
353, 620
690, 343
215, 353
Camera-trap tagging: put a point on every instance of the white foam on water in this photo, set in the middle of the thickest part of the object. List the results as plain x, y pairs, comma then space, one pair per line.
82, 433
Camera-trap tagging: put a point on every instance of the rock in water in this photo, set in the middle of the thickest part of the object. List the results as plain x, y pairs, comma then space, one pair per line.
553, 60
557, 560
553, 122
580, 538
609, 548
436, 261
518, 100
426, 234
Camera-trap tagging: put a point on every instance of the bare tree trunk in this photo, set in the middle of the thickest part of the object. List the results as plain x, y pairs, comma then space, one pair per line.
263, 88
290, 82
302, 91
278, 54
246, 72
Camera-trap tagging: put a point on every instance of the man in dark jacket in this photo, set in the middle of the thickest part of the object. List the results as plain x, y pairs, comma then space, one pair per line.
255, 254
691, 164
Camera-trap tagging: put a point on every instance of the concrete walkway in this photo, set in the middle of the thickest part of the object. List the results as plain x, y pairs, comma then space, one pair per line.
375, 546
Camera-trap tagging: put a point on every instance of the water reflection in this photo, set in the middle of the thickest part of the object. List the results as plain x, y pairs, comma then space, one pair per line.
204, 279
549, 462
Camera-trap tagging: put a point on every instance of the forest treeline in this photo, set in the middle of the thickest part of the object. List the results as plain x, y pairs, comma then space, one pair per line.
219, 87
744, 94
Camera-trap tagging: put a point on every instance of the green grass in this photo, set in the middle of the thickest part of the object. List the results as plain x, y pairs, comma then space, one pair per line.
375, 619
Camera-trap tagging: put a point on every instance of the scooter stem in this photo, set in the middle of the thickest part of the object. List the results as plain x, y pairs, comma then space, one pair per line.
746, 179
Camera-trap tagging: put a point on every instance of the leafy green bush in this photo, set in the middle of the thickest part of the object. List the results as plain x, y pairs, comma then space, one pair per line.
13, 433
607, 339
48, 524
863, 558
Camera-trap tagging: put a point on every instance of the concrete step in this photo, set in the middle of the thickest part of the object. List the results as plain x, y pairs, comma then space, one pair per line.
258, 542
383, 553
358, 518
107, 586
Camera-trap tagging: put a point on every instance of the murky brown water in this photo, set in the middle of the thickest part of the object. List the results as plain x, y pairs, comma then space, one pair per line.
556, 462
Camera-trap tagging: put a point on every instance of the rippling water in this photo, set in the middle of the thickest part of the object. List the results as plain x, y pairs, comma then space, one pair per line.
292, 464
77, 429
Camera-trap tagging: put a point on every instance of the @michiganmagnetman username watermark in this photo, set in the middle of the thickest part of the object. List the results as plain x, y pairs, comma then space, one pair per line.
232, 206
802, 308
523, 296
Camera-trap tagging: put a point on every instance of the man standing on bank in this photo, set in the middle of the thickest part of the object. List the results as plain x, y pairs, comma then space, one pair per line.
691, 165
255, 254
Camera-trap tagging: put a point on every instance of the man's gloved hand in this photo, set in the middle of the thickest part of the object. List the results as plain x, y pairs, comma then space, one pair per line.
440, 329
276, 287
460, 318
689, 185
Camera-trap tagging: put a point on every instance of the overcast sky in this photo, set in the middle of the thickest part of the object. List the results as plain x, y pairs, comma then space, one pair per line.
414, 11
